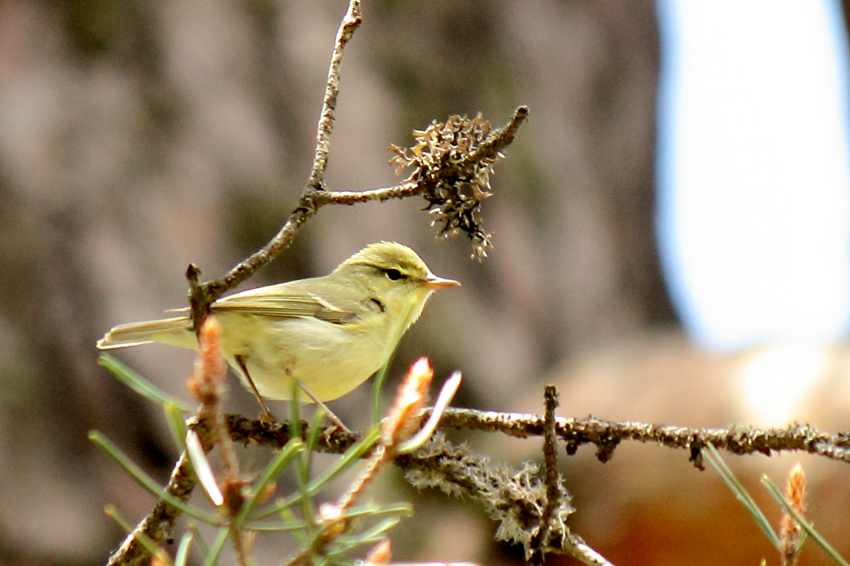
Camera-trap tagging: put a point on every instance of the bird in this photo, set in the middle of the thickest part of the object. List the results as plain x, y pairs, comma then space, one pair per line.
330, 333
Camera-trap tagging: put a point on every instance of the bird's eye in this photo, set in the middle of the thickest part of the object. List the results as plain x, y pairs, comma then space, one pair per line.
394, 274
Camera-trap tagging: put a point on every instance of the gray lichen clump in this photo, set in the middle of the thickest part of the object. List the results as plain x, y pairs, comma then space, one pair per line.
515, 498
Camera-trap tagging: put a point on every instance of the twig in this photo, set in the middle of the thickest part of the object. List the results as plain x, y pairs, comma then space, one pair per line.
331, 440
581, 551
403, 190
575, 432
201, 296
606, 435
553, 487
499, 139
349, 24
160, 521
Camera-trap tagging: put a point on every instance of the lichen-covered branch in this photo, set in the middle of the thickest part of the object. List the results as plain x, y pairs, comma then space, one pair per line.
607, 435
459, 471
160, 521
554, 491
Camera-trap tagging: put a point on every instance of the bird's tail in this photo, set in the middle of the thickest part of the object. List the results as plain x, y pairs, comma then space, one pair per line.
174, 331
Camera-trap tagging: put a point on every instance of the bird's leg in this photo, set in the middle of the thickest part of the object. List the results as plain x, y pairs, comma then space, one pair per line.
330, 414
266, 415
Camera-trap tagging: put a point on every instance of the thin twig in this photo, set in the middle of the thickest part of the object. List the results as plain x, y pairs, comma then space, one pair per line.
583, 552
349, 24
499, 139
202, 296
553, 488
403, 190
311, 200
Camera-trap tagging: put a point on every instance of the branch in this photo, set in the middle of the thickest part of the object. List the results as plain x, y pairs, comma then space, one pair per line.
540, 540
458, 467
349, 24
607, 435
160, 521
498, 140
581, 551
202, 295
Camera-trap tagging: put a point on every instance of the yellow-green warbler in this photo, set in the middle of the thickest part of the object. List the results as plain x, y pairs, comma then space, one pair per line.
331, 333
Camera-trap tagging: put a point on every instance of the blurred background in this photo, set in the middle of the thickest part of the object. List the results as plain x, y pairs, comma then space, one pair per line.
671, 232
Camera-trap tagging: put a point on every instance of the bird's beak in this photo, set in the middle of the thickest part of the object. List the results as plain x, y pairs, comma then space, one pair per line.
434, 282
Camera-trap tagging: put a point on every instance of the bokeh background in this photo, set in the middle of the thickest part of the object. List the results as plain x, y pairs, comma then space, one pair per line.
136, 137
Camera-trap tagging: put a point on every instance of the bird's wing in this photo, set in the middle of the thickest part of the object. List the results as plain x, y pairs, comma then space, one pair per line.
287, 300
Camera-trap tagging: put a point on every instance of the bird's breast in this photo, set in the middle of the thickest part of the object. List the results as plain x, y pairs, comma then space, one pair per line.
330, 359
